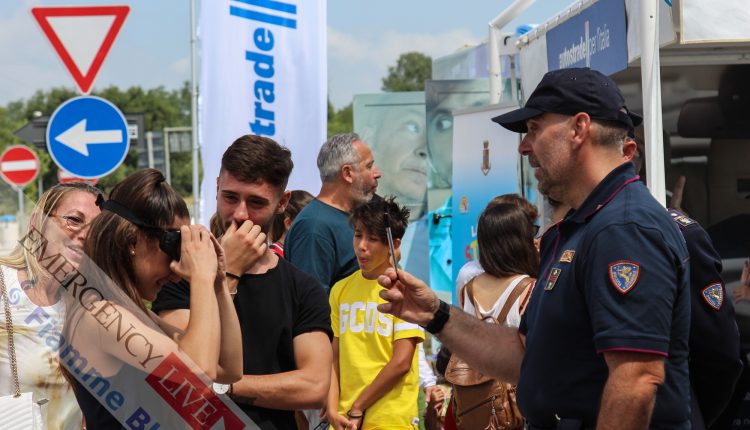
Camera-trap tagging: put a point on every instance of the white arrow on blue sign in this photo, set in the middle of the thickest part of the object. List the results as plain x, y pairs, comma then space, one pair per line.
88, 137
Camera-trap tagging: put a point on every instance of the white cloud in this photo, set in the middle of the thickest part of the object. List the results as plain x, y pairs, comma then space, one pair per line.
356, 65
29, 62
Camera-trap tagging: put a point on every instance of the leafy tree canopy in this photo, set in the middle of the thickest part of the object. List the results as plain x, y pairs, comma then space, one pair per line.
409, 73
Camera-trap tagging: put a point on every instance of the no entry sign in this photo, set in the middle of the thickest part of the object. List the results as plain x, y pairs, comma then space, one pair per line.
66, 177
19, 165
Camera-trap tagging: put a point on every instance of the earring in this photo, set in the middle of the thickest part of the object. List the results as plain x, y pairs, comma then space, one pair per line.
132, 252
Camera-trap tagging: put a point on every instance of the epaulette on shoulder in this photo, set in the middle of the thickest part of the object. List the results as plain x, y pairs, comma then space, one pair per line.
682, 220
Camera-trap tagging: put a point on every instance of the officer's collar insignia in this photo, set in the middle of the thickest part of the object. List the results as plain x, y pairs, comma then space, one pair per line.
552, 279
713, 295
624, 275
567, 256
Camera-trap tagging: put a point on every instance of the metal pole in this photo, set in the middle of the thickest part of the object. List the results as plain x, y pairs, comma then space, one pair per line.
500, 21
150, 148
167, 162
194, 112
21, 212
39, 186
651, 82
496, 85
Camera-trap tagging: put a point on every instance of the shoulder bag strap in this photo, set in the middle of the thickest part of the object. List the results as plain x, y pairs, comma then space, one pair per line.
527, 296
9, 329
470, 291
461, 292
514, 295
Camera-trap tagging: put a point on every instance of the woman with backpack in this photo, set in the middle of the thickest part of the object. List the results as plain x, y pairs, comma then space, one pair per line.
510, 262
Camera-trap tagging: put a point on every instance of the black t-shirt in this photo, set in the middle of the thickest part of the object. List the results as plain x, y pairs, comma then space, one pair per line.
273, 308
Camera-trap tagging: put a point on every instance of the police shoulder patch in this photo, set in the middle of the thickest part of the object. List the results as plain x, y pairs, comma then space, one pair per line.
713, 295
624, 275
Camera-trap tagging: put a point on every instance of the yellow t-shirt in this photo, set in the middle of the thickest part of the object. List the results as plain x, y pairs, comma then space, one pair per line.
366, 339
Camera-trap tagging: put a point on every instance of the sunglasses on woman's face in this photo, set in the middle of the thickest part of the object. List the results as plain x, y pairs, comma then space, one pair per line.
169, 240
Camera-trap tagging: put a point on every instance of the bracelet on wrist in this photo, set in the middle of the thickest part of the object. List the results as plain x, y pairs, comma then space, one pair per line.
354, 417
439, 318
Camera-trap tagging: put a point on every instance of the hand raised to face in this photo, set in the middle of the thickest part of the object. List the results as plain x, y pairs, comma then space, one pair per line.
198, 255
243, 246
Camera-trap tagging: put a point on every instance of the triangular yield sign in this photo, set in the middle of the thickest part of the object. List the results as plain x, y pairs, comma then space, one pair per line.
82, 36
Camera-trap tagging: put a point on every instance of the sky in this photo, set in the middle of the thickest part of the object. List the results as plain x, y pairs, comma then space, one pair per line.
153, 47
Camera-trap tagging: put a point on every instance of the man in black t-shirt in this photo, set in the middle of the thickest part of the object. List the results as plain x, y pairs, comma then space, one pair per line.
283, 312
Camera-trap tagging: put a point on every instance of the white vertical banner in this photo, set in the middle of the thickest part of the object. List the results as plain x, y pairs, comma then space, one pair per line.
263, 71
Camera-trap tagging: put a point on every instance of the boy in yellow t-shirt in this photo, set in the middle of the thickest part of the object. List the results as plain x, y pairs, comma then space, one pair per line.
375, 380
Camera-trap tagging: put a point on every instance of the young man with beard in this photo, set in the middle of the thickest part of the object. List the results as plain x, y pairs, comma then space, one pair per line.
283, 313
604, 340
319, 241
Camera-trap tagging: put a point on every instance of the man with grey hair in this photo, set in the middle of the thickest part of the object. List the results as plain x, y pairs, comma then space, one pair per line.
320, 240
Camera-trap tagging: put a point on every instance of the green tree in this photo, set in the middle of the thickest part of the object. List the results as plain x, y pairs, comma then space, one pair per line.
161, 108
340, 121
409, 73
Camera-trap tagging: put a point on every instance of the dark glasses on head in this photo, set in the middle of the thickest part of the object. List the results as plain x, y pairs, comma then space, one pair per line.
169, 240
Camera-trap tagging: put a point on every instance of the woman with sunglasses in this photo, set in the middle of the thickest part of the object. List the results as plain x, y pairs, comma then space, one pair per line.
33, 309
133, 250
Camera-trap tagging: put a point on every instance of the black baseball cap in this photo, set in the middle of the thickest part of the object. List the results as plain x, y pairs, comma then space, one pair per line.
568, 92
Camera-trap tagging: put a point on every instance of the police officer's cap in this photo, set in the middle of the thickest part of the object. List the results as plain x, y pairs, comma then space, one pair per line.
568, 92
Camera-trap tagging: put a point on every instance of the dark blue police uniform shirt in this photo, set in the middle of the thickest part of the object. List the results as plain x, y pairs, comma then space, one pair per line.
614, 277
715, 364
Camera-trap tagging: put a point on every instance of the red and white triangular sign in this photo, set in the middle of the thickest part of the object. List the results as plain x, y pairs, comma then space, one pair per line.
82, 36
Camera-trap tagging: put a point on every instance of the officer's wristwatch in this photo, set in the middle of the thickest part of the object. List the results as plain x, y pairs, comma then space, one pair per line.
221, 388
439, 319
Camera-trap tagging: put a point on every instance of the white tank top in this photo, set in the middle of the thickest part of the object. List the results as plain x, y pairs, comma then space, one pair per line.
36, 333
514, 316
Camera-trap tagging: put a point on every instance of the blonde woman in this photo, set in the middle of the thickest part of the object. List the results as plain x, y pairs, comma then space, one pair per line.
60, 220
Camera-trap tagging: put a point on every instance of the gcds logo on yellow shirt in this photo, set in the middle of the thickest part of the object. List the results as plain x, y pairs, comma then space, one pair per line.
361, 316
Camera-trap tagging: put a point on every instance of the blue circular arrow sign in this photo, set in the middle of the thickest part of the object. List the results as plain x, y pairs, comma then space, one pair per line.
88, 137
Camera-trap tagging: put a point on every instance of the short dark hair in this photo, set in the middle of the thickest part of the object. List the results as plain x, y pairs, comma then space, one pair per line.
371, 217
610, 133
253, 159
506, 241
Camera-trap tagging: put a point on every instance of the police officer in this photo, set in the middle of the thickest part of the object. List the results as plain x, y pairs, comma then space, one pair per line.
604, 340
715, 363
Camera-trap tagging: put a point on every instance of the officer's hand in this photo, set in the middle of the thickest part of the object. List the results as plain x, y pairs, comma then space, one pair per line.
243, 246
408, 298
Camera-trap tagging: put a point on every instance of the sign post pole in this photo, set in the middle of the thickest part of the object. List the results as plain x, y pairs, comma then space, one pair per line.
21, 212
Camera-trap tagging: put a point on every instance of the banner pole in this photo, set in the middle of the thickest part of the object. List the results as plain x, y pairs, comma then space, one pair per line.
194, 113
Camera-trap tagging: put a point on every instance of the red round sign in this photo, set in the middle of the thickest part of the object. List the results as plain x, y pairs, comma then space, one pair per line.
66, 177
19, 165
